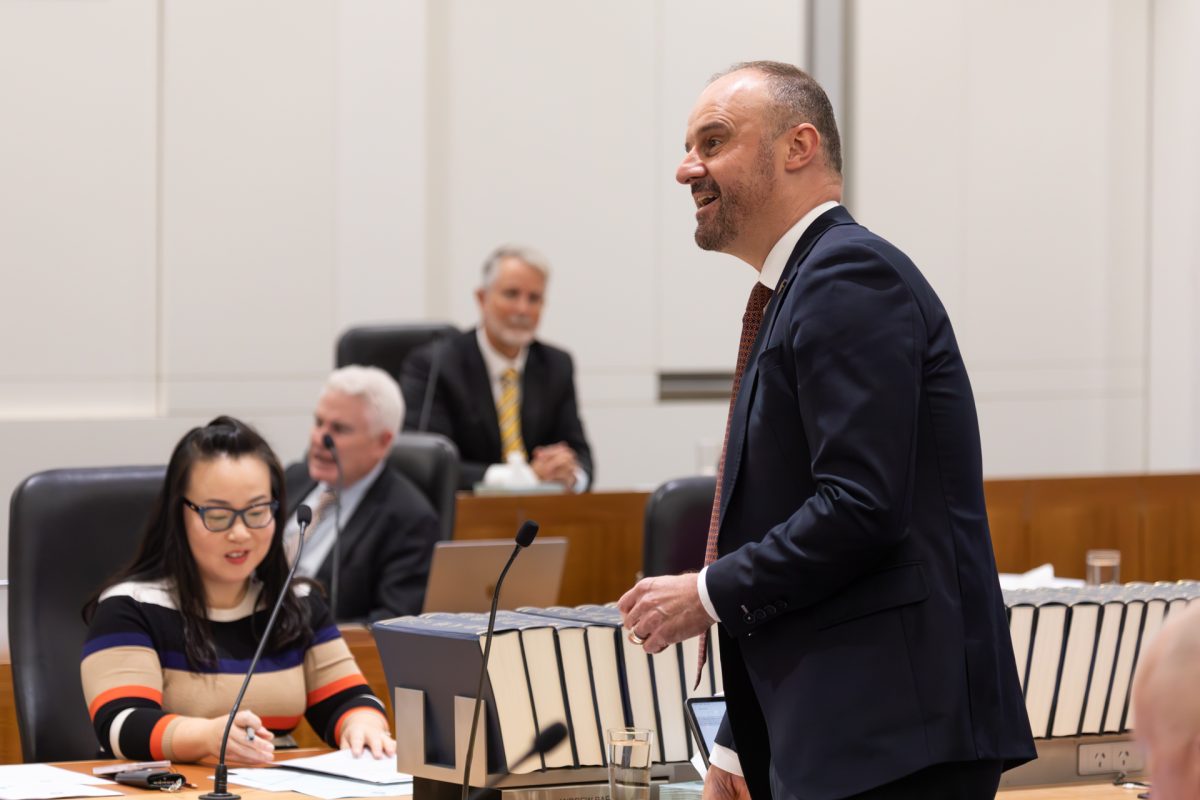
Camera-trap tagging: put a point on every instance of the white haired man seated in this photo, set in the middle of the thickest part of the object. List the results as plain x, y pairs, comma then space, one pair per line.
388, 525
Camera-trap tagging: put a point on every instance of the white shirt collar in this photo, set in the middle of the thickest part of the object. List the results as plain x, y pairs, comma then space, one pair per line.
777, 259
495, 361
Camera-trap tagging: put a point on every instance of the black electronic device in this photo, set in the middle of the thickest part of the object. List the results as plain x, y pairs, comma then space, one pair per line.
152, 778
704, 715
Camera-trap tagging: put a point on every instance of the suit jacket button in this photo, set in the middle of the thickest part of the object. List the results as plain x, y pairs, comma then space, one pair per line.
782, 604
772, 610
760, 615
749, 619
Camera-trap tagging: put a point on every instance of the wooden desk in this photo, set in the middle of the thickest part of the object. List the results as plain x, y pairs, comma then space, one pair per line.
1154, 520
603, 529
198, 774
10, 739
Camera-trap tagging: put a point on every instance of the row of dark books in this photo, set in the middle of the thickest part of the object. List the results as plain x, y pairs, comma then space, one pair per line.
1077, 650
547, 665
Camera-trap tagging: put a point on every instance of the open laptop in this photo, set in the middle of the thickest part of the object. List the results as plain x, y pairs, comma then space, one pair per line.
463, 574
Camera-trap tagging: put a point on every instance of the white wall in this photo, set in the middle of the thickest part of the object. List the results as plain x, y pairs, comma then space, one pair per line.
1174, 263
199, 195
1005, 147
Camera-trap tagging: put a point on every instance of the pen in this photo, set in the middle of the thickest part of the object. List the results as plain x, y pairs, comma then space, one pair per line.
249, 734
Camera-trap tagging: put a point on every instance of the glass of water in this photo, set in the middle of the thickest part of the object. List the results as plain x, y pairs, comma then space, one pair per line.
1103, 566
629, 763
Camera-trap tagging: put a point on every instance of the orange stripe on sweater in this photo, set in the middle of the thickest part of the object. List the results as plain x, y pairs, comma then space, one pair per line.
337, 729
333, 687
156, 736
116, 693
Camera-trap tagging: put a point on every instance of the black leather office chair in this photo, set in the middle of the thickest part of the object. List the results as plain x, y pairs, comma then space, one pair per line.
386, 346
676, 530
430, 460
69, 530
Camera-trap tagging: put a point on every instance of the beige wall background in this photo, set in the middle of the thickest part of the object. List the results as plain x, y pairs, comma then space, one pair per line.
197, 196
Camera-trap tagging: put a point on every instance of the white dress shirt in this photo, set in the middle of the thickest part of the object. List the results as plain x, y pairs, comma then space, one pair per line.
497, 364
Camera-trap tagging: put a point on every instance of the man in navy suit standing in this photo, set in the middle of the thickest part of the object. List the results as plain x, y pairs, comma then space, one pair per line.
863, 637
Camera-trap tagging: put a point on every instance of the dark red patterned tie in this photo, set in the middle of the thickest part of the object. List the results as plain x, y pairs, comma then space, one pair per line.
751, 322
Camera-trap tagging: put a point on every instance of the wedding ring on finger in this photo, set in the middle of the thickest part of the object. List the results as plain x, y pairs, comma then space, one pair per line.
633, 637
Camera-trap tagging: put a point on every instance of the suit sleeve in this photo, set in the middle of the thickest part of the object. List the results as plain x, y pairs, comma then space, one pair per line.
849, 365
123, 683
569, 427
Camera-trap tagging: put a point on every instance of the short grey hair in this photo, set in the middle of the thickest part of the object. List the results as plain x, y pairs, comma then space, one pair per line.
527, 254
796, 97
379, 390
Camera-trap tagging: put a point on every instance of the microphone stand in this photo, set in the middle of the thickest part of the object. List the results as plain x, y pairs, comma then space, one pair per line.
221, 779
431, 385
546, 740
331, 446
525, 537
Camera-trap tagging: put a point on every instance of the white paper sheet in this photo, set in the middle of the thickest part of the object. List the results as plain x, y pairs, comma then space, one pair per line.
273, 779
343, 764
29, 781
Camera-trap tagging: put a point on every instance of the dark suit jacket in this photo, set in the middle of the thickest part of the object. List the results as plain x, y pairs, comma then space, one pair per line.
465, 412
863, 635
386, 547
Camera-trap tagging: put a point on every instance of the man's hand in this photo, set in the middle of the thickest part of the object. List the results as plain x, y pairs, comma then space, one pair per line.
722, 785
663, 610
555, 462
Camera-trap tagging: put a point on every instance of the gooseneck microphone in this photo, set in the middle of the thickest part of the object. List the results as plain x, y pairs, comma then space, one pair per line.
525, 537
548, 739
435, 366
221, 779
331, 446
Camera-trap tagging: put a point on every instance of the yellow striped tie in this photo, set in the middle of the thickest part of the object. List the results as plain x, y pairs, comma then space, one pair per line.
509, 412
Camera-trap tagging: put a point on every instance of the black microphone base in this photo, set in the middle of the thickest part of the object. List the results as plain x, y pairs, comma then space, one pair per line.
221, 783
220, 796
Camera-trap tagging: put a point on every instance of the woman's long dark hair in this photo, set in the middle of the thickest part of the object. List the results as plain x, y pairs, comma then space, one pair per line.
164, 552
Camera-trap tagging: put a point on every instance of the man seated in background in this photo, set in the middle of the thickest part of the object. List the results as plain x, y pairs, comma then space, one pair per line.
1166, 707
499, 391
388, 526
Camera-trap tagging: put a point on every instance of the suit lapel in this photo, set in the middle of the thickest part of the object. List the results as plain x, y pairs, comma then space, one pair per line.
744, 401
479, 384
354, 528
532, 381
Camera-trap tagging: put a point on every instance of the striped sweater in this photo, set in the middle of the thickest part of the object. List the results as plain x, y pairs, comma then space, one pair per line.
137, 680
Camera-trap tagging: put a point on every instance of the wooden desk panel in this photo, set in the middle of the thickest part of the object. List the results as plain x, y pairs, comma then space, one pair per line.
1170, 527
10, 738
1069, 516
604, 531
1008, 518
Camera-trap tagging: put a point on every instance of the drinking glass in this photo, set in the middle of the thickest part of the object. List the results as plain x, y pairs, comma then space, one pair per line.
629, 763
1103, 566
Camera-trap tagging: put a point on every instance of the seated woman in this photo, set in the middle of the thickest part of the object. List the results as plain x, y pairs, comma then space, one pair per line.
172, 635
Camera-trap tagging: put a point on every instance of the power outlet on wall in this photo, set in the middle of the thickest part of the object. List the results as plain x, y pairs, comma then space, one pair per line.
1127, 757
1110, 757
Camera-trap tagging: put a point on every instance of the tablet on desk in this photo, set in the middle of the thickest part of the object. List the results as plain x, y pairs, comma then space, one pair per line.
704, 715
